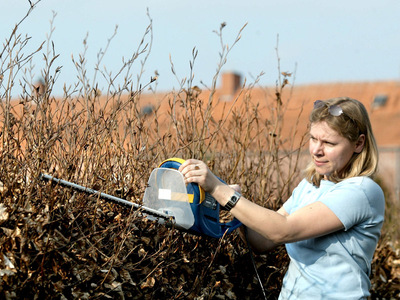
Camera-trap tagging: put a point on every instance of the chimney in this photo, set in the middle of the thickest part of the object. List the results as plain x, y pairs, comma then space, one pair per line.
230, 84
39, 88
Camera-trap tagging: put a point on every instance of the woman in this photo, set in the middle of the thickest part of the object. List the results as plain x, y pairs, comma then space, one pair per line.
332, 221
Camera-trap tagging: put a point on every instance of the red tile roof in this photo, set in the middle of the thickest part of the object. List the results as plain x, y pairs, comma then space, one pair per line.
385, 120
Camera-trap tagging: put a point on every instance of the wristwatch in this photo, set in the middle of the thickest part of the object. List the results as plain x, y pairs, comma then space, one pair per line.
232, 202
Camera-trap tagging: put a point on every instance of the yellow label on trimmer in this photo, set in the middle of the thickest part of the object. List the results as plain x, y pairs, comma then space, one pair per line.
167, 194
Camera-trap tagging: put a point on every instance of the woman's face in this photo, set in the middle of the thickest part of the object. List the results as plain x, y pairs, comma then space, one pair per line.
329, 150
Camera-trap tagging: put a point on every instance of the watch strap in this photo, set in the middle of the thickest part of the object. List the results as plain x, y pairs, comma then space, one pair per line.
232, 202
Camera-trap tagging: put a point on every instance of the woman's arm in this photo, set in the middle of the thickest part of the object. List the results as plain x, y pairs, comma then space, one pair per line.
258, 242
276, 228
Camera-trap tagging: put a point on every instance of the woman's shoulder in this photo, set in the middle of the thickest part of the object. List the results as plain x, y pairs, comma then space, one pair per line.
363, 181
355, 200
365, 185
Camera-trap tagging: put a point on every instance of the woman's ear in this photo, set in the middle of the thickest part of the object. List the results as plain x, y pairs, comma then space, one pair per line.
360, 144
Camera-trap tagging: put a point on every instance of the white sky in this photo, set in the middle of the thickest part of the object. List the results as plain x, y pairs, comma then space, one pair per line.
329, 41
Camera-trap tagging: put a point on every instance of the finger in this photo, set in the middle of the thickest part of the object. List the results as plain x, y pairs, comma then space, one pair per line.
186, 164
191, 166
193, 170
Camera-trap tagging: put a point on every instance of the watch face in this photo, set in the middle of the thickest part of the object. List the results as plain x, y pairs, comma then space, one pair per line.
232, 202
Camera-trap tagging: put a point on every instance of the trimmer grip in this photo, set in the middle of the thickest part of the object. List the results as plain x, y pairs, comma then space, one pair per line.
232, 225
204, 207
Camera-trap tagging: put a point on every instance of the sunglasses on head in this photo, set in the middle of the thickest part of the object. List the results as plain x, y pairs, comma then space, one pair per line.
334, 110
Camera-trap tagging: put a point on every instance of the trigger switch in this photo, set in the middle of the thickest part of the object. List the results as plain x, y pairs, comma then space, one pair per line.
210, 202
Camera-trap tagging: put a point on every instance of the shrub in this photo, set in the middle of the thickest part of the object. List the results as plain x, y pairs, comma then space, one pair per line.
61, 244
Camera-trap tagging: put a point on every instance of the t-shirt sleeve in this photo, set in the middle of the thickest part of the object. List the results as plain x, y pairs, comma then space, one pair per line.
288, 205
353, 201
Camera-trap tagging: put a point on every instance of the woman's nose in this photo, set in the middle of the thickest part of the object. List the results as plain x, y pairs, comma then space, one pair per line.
316, 149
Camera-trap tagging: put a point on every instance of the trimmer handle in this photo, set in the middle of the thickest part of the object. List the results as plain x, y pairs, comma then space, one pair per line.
231, 226
204, 207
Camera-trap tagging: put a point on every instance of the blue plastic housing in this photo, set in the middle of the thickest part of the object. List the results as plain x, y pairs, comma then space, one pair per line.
204, 207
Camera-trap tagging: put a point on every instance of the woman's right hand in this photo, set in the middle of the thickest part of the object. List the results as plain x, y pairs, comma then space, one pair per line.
196, 171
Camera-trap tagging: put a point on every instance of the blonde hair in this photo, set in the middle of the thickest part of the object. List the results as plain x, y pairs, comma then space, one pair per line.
353, 122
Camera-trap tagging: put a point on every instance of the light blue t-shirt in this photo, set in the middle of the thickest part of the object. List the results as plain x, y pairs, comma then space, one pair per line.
337, 265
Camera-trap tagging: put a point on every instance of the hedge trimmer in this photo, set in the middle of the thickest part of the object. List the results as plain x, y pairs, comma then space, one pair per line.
168, 199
